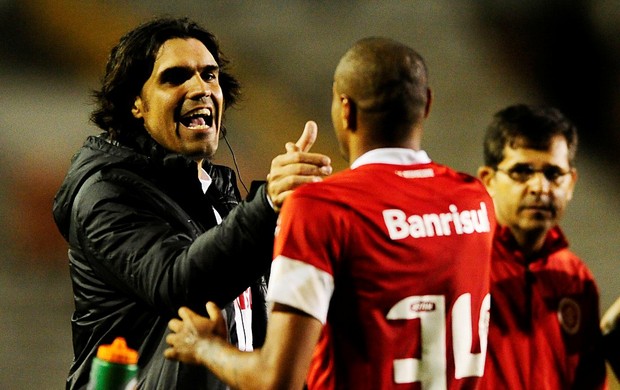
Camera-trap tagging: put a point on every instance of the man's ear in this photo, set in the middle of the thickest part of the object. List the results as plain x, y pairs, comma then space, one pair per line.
571, 185
429, 102
136, 109
486, 174
349, 113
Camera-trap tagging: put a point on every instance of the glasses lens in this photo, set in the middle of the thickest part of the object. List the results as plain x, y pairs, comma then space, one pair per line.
553, 174
521, 173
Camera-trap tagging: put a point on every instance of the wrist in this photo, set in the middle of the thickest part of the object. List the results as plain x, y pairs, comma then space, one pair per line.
202, 351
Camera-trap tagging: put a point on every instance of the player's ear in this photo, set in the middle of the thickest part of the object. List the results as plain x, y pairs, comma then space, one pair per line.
486, 175
429, 102
349, 112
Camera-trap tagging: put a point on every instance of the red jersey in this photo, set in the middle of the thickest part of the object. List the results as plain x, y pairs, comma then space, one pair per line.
544, 331
393, 256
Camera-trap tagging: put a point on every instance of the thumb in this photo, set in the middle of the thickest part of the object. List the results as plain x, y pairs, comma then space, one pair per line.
213, 310
308, 137
215, 313
186, 314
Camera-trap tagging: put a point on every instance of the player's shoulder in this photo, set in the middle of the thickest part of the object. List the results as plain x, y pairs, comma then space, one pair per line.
448, 171
460, 180
336, 186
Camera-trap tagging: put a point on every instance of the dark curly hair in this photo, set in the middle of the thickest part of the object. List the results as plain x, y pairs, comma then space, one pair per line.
529, 126
130, 64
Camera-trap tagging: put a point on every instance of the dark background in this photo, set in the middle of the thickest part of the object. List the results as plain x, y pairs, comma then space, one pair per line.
482, 55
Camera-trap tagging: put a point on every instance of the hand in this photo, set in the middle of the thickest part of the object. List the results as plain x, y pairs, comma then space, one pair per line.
296, 167
192, 331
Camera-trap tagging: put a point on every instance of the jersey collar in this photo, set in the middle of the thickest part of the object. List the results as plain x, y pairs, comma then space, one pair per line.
395, 156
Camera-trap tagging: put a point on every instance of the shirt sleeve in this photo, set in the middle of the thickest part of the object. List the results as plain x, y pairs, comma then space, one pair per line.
307, 249
300, 285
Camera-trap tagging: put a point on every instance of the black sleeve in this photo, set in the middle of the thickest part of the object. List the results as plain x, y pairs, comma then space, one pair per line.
140, 242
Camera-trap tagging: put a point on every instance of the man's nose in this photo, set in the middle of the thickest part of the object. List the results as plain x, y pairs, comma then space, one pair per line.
198, 87
539, 183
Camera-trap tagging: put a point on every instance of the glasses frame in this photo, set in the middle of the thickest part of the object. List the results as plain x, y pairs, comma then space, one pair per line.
556, 177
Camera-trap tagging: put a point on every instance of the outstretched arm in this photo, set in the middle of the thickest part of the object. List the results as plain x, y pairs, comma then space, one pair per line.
296, 167
282, 363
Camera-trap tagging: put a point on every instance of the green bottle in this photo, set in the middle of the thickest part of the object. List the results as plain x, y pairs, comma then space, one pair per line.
114, 368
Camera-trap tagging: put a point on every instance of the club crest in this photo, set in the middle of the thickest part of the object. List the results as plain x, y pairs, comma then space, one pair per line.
569, 315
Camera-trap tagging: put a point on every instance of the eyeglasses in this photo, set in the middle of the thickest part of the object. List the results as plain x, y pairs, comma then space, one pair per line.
522, 173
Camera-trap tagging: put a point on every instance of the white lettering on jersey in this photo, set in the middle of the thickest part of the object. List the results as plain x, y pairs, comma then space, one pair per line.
429, 225
416, 173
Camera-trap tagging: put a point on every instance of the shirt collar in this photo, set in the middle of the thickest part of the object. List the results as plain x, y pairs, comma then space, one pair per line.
205, 179
395, 156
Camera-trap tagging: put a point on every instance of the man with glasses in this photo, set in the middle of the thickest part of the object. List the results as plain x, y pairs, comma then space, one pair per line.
544, 331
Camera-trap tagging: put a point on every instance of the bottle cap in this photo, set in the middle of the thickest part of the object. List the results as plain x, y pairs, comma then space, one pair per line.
117, 352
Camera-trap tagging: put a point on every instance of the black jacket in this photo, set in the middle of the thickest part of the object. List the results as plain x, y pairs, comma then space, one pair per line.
143, 241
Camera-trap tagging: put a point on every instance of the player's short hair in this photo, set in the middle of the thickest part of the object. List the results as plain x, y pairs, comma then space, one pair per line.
388, 82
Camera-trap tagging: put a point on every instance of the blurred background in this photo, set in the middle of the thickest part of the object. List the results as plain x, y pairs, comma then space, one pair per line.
482, 56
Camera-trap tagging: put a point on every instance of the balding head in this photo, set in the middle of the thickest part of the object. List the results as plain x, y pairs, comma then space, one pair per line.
387, 81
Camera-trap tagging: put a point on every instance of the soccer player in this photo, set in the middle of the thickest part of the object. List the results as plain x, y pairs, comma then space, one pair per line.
381, 274
544, 331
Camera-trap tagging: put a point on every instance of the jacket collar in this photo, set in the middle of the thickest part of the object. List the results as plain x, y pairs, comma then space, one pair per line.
554, 241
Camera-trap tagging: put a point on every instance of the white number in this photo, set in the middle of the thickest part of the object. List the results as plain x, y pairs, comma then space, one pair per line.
467, 363
430, 369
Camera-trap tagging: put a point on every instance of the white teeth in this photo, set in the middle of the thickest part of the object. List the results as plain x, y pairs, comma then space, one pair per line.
199, 119
203, 111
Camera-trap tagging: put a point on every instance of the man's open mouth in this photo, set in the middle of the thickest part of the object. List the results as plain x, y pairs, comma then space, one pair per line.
199, 119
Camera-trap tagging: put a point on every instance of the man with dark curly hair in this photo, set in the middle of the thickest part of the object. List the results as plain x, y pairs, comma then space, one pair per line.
152, 224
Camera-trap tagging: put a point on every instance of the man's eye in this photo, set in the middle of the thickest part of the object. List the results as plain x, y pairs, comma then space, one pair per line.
553, 173
524, 173
174, 77
522, 170
207, 76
